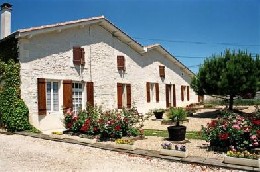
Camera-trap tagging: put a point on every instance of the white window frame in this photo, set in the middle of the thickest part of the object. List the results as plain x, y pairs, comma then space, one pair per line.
74, 97
124, 95
52, 95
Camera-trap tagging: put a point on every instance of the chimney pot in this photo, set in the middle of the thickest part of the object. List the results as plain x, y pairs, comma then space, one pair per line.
6, 6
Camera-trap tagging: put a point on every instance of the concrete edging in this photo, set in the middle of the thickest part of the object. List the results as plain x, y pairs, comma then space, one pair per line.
141, 152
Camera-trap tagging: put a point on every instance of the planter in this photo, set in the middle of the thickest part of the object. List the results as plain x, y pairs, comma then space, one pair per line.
242, 161
124, 146
158, 115
174, 153
177, 133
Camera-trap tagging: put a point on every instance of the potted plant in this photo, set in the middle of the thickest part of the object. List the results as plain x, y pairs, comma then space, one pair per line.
177, 132
158, 113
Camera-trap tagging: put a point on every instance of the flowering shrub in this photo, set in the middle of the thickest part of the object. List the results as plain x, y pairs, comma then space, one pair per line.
242, 132
108, 124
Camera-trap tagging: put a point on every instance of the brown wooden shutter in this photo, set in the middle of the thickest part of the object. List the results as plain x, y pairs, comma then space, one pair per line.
167, 89
67, 94
119, 95
174, 95
41, 87
157, 92
90, 93
182, 92
188, 93
148, 92
120, 62
128, 92
77, 53
162, 71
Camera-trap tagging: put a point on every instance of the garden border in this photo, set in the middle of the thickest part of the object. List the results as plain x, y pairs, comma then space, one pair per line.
141, 152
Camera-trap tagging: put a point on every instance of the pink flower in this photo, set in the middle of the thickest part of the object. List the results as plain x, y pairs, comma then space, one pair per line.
236, 127
253, 137
255, 144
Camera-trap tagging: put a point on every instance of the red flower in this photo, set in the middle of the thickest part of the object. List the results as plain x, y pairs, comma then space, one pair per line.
69, 125
256, 122
223, 136
213, 123
117, 128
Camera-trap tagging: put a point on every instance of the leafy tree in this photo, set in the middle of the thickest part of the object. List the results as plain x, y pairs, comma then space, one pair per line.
229, 74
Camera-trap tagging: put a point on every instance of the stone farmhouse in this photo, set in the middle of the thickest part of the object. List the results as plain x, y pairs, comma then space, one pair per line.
67, 65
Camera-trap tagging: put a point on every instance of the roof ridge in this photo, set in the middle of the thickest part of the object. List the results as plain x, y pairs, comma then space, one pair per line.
60, 24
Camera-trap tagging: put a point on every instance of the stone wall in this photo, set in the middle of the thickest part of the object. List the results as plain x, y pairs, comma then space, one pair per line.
49, 56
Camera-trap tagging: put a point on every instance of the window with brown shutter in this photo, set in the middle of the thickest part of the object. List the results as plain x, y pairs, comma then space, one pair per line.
67, 94
128, 92
188, 93
162, 71
173, 95
120, 62
148, 92
41, 96
157, 92
182, 92
78, 56
167, 93
119, 95
90, 93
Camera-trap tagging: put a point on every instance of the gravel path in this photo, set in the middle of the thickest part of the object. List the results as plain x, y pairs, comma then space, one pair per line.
21, 153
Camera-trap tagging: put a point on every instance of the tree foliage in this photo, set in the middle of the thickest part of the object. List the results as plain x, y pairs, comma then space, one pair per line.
229, 74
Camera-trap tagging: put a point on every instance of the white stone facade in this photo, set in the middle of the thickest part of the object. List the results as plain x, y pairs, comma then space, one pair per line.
49, 55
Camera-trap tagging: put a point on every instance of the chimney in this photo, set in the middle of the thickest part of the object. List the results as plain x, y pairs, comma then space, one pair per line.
6, 9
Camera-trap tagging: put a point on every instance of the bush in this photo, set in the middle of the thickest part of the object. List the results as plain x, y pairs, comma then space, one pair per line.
240, 132
108, 124
13, 111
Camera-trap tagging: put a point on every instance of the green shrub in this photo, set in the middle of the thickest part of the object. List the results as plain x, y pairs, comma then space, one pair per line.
108, 124
13, 111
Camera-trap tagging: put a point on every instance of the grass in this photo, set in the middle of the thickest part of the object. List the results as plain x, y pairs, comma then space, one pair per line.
164, 133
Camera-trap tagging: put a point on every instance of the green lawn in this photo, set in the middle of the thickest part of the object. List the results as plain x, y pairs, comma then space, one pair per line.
164, 133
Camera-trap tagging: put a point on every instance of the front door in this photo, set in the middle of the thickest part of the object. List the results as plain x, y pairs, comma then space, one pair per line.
170, 95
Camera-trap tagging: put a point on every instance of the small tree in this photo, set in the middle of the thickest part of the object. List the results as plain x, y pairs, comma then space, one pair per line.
229, 74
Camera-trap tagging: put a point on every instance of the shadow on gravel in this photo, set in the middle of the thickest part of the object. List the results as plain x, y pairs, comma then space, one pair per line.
211, 114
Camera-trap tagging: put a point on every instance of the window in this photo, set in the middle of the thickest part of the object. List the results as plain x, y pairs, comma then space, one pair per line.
52, 96
162, 71
120, 62
152, 92
77, 90
78, 56
123, 95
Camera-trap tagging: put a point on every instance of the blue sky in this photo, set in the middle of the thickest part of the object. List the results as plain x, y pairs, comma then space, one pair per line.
191, 30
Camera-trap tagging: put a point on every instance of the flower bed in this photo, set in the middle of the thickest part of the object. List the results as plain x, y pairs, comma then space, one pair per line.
104, 124
124, 144
242, 158
240, 131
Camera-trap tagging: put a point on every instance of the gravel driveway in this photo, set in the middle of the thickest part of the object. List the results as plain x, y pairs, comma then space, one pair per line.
21, 153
